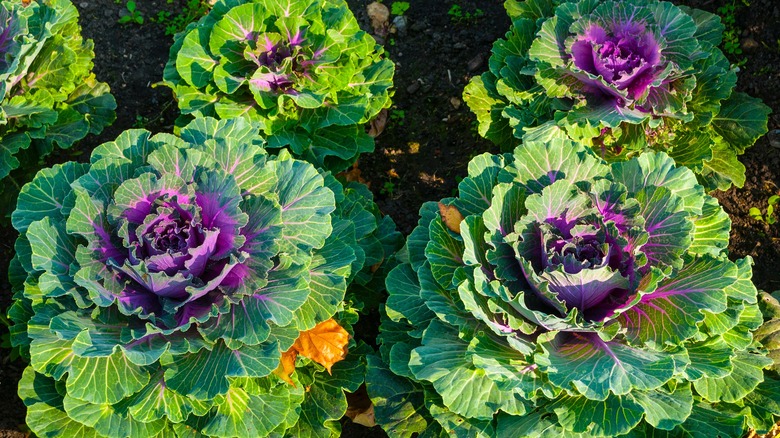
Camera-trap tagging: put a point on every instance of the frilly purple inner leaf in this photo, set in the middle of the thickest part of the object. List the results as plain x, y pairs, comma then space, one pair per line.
626, 56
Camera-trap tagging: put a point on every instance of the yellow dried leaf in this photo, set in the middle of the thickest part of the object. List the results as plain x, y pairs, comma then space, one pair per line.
378, 123
287, 365
451, 217
325, 344
364, 418
359, 407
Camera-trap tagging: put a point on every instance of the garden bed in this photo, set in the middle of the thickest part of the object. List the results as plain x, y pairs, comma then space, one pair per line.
430, 134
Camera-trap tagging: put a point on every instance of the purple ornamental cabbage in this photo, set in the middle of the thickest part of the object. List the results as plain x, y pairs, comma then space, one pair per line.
303, 70
622, 77
49, 96
157, 286
562, 296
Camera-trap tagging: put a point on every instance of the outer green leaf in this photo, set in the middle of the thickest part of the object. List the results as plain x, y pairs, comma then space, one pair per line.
44, 196
110, 420
764, 404
669, 314
45, 412
597, 368
741, 120
706, 422
203, 375
746, 376
397, 402
711, 229
156, 401
711, 358
537, 165
241, 413
466, 390
611, 417
666, 409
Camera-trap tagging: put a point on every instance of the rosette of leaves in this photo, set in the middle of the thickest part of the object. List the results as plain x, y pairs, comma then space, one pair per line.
302, 69
622, 77
562, 296
48, 94
158, 285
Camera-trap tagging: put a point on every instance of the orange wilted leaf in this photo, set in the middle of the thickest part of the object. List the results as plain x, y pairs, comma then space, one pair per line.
287, 365
325, 344
353, 174
451, 217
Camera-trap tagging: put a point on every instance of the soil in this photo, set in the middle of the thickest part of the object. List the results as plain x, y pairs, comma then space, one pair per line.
430, 134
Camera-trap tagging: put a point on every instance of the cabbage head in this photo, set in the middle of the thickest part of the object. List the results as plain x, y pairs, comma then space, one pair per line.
622, 77
158, 285
559, 295
49, 96
302, 69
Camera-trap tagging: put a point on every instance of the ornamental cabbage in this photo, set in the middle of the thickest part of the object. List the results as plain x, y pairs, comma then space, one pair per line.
48, 93
303, 70
157, 287
562, 296
622, 77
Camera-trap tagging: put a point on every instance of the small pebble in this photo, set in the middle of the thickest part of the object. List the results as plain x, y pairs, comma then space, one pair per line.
748, 43
418, 26
83, 4
400, 24
476, 62
774, 138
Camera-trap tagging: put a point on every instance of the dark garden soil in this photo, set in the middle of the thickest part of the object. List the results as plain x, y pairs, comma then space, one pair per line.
430, 134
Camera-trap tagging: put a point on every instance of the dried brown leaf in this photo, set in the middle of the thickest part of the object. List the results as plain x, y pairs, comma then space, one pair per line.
378, 123
451, 217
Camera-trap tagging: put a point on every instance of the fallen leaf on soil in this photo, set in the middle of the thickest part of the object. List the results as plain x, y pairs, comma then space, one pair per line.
365, 418
379, 15
451, 217
378, 124
455, 102
325, 344
353, 174
359, 407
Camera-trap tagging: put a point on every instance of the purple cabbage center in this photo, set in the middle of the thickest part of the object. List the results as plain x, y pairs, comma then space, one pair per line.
577, 253
172, 269
626, 56
282, 63
583, 264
